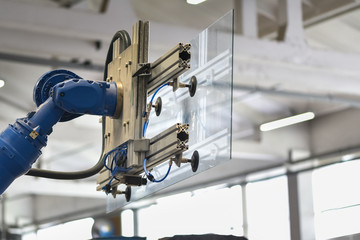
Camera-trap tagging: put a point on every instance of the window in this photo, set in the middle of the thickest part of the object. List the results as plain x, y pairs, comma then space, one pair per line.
127, 223
210, 210
29, 236
337, 200
79, 230
268, 211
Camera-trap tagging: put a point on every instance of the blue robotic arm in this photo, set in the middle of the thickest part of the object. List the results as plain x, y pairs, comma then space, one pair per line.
59, 100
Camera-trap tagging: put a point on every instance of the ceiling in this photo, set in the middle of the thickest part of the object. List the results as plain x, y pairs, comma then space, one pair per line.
272, 80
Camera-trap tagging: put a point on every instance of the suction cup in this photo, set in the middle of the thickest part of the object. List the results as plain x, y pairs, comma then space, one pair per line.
158, 106
195, 161
193, 85
128, 193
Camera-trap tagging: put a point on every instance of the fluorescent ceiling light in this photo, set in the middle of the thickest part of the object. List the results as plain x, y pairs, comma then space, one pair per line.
287, 121
194, 2
2, 83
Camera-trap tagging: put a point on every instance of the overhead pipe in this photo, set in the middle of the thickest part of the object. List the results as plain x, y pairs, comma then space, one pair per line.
293, 94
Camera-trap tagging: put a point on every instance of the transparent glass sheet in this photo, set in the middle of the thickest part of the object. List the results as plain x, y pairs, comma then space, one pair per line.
208, 113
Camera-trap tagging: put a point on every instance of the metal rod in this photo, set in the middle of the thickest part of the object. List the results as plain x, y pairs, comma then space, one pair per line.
178, 47
169, 66
165, 133
3, 221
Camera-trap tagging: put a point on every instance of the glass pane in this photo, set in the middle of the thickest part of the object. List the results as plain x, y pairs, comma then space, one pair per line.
208, 113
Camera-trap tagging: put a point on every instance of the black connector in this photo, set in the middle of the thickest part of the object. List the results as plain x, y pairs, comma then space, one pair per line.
107, 188
150, 177
135, 180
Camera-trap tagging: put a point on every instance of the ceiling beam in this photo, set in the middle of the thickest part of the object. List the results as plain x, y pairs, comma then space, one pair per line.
349, 7
51, 62
40, 186
49, 46
76, 24
72, 34
268, 9
295, 67
353, 102
300, 56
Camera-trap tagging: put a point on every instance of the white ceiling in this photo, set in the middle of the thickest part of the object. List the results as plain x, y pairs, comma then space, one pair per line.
45, 29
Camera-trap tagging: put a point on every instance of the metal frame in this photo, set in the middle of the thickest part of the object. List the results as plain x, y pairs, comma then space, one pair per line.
137, 80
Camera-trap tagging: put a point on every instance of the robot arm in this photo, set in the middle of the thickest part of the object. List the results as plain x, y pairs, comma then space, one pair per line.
127, 154
21, 143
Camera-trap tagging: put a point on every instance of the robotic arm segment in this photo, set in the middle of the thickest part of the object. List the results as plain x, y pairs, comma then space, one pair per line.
80, 96
18, 151
45, 117
75, 96
21, 143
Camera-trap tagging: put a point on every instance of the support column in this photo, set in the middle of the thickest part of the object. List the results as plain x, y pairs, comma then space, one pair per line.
301, 208
294, 207
290, 22
249, 21
136, 222
294, 29
244, 210
3, 220
307, 224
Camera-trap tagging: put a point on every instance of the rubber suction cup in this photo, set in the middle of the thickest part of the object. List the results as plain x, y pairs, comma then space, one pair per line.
128, 193
158, 106
193, 85
195, 161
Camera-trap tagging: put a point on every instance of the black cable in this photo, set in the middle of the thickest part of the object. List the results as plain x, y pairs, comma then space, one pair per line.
125, 42
35, 172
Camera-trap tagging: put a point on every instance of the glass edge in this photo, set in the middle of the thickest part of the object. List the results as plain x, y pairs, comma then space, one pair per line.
232, 11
